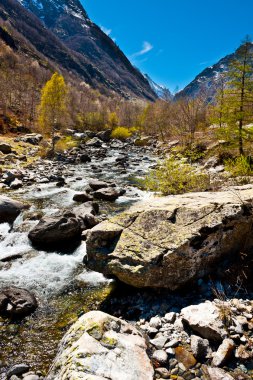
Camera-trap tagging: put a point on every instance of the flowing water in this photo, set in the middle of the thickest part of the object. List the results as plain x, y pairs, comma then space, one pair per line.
64, 288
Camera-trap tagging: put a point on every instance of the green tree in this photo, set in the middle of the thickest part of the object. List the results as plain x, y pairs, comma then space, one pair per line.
53, 107
234, 102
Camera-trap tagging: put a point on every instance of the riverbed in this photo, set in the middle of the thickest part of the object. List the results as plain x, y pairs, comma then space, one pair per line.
64, 287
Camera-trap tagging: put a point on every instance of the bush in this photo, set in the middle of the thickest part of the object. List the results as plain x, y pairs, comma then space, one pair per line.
175, 177
240, 166
65, 143
121, 133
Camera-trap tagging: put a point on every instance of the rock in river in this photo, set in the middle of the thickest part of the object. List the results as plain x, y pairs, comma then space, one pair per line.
56, 231
10, 209
17, 302
170, 241
101, 347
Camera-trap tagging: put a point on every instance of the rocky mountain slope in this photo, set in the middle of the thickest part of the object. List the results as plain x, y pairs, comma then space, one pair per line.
161, 91
207, 81
101, 62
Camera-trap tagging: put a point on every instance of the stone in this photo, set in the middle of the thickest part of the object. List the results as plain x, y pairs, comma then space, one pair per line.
155, 322
32, 138
10, 209
242, 353
218, 374
206, 320
185, 357
200, 347
17, 302
18, 369
184, 235
223, 353
99, 346
31, 377
163, 372
82, 197
108, 194
170, 317
96, 184
160, 357
159, 342
16, 184
5, 148
85, 158
95, 142
86, 214
3, 302
56, 231
104, 135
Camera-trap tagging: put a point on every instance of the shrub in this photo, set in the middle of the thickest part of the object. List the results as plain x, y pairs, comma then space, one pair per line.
65, 143
175, 177
121, 133
240, 166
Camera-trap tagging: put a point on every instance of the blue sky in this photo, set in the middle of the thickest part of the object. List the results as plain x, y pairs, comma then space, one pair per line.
174, 40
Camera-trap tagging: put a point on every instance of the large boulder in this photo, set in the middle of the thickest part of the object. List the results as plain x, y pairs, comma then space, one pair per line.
101, 347
56, 231
168, 242
10, 209
17, 302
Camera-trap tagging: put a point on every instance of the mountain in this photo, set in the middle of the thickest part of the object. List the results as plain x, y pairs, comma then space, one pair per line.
207, 82
161, 91
100, 61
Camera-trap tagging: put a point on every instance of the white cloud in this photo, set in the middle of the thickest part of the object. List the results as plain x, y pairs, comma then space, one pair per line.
106, 30
146, 47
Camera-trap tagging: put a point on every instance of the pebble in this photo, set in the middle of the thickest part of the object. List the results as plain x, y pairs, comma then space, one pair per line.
160, 356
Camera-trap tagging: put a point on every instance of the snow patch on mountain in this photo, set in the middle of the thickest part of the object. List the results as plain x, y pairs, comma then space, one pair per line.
161, 91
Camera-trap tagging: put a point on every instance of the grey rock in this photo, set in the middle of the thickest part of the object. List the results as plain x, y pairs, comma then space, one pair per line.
163, 373
117, 352
200, 347
56, 231
96, 184
95, 142
155, 322
17, 302
159, 342
205, 319
218, 374
223, 353
16, 184
170, 317
160, 356
18, 369
108, 194
10, 209
82, 197
183, 235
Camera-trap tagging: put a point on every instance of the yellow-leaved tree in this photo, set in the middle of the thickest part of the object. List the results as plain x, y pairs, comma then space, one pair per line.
53, 107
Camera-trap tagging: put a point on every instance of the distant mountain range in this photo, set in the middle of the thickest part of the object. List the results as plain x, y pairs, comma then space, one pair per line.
60, 32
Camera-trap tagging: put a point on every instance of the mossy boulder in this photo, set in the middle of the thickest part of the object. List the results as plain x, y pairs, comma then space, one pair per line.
99, 346
171, 241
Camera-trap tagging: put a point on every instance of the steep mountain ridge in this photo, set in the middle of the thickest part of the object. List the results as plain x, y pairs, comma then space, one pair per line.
207, 82
68, 21
161, 91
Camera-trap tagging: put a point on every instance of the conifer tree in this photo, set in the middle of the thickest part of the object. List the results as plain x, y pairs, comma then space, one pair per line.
234, 101
52, 108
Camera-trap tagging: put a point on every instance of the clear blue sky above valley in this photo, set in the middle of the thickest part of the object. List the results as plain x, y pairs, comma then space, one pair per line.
174, 40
